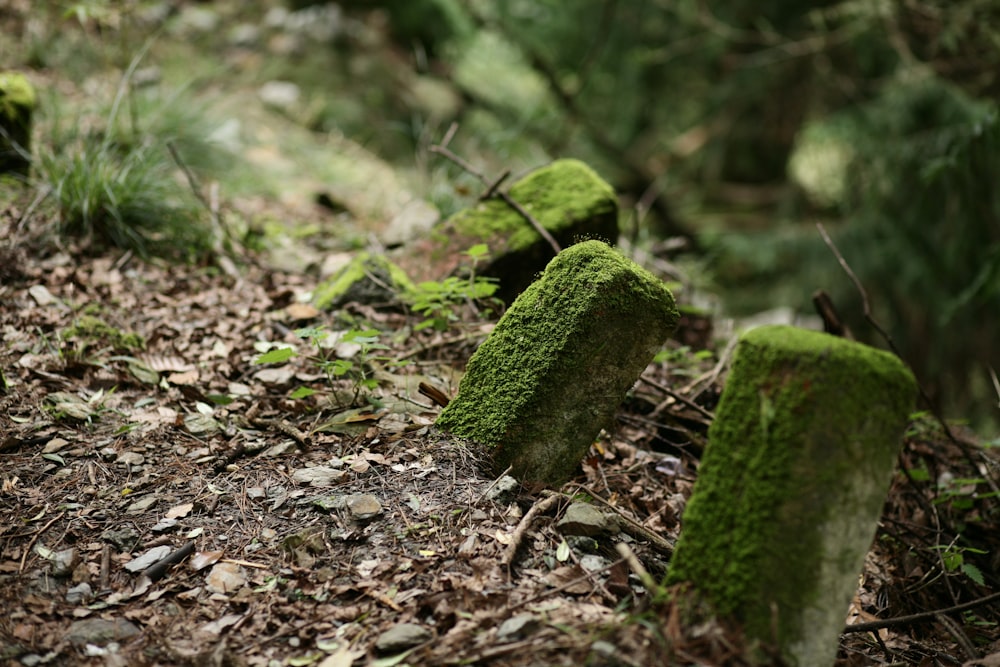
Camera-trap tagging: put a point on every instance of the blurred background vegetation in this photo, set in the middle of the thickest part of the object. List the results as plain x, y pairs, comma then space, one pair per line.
728, 128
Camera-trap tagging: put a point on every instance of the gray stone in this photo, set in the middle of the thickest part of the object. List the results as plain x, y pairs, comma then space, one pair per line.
401, 637
791, 485
100, 631
555, 369
79, 593
517, 627
584, 519
363, 506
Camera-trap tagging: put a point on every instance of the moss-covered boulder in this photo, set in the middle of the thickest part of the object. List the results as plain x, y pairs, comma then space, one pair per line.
368, 278
791, 486
566, 197
552, 374
17, 102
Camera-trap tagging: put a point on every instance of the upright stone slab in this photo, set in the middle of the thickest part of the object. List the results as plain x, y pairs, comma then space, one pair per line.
791, 486
566, 197
556, 368
17, 102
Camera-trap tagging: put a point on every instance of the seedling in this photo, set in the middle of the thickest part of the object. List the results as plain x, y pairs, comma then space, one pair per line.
438, 301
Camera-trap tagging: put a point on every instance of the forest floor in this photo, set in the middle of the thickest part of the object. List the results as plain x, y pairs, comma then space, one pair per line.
167, 501
135, 427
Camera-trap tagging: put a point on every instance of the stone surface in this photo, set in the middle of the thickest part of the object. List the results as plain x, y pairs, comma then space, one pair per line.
584, 519
555, 370
401, 637
363, 506
17, 103
100, 631
791, 485
518, 627
566, 197
368, 278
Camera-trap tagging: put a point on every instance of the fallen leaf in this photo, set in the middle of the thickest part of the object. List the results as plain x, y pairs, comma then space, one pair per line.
225, 578
203, 559
178, 511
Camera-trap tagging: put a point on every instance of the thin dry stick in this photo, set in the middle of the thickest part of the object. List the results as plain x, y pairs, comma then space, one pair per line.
917, 618
31, 544
524, 525
638, 569
632, 527
889, 341
491, 186
677, 397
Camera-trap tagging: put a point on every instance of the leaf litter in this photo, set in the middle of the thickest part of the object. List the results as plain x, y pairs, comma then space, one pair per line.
174, 505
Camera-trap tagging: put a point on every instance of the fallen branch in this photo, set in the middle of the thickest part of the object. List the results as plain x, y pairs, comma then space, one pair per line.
631, 527
910, 619
160, 567
491, 186
522, 528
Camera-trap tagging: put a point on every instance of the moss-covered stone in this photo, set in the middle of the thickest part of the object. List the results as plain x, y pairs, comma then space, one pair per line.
792, 483
367, 278
566, 197
557, 366
17, 102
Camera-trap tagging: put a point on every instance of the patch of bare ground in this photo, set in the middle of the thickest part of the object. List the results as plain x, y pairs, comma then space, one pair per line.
170, 504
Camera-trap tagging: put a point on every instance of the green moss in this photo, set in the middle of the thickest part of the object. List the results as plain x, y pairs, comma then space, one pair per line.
17, 102
560, 360
354, 282
799, 460
88, 328
564, 191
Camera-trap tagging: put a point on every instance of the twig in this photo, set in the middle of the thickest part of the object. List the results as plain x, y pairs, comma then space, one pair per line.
34, 538
433, 393
160, 567
678, 397
588, 576
866, 306
442, 150
958, 635
917, 618
625, 551
632, 527
493, 484
524, 525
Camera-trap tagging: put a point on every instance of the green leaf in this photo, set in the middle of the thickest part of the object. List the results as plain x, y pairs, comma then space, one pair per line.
478, 251
275, 356
302, 392
974, 573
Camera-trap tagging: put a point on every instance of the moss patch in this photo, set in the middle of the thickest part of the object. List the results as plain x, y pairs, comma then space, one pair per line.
566, 197
90, 329
367, 278
17, 102
559, 362
792, 483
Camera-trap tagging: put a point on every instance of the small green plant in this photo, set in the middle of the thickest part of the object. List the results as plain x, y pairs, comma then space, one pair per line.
438, 301
117, 188
355, 366
953, 559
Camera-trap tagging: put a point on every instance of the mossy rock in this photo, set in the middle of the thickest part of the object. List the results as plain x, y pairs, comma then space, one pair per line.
566, 197
368, 278
17, 103
792, 484
555, 369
